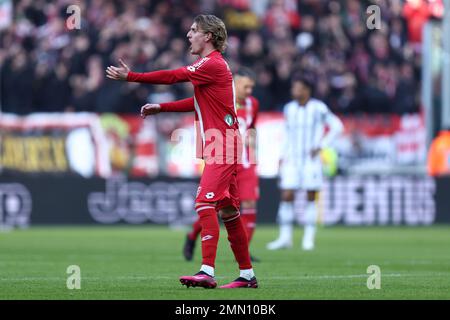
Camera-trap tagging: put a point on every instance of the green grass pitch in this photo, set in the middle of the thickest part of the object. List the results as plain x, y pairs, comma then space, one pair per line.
144, 262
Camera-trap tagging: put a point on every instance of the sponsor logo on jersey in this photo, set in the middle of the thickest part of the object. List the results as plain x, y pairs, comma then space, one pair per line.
197, 65
209, 195
207, 237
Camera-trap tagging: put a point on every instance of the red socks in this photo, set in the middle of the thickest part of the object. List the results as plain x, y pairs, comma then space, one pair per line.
196, 228
238, 241
248, 217
209, 224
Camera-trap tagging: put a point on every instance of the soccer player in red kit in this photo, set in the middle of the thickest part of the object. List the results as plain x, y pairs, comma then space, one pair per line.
247, 178
215, 114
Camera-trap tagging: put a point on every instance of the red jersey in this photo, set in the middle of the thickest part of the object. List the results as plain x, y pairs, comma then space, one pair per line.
247, 112
213, 101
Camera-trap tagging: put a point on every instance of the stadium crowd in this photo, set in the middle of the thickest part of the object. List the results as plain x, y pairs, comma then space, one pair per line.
46, 67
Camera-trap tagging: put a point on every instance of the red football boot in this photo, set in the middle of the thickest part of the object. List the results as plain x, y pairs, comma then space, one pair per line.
200, 279
241, 283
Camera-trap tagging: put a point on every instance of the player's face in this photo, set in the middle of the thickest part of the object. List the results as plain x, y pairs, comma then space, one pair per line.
197, 38
299, 91
244, 87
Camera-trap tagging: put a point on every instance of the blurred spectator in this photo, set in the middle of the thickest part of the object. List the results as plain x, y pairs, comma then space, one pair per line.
46, 67
282, 13
17, 80
51, 89
417, 13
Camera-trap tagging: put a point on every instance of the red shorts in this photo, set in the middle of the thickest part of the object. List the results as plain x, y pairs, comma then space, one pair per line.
248, 183
218, 184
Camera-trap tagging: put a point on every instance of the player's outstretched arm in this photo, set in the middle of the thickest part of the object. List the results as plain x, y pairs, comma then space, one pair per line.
185, 105
154, 77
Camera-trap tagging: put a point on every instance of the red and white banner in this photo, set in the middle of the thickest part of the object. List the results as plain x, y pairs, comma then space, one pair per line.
372, 142
382, 141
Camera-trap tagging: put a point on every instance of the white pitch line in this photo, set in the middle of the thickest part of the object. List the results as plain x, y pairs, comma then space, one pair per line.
32, 279
320, 277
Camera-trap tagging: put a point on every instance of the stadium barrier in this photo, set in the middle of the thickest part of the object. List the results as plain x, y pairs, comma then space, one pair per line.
349, 200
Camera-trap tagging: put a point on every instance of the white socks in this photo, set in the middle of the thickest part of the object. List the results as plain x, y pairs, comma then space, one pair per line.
247, 274
310, 226
208, 269
310, 218
286, 232
286, 220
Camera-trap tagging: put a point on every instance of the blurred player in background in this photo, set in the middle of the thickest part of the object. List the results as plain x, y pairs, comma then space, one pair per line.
438, 159
306, 119
215, 112
247, 178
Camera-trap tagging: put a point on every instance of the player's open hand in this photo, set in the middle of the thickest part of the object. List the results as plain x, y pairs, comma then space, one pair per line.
118, 73
149, 109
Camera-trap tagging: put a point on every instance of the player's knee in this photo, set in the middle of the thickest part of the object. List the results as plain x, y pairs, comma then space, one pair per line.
227, 213
287, 195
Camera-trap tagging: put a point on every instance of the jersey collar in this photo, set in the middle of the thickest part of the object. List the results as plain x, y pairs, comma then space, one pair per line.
213, 53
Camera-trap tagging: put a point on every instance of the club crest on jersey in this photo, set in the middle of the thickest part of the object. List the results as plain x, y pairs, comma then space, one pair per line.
229, 119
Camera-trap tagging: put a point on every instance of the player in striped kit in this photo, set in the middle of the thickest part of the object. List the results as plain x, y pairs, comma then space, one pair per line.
247, 179
306, 121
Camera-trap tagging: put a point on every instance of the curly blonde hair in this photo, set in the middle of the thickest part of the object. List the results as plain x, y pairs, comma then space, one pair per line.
209, 23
